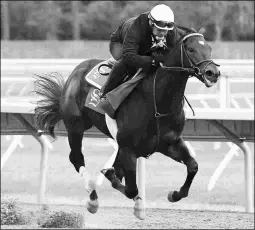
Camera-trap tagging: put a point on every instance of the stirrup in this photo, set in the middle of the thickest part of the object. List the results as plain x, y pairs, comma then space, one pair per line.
109, 63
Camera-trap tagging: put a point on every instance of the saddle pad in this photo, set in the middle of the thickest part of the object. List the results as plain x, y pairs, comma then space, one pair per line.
95, 78
115, 97
93, 100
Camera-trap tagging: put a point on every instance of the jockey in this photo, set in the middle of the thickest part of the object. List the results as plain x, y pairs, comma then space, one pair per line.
140, 42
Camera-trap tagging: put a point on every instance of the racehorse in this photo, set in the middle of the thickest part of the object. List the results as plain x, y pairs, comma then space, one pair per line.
151, 119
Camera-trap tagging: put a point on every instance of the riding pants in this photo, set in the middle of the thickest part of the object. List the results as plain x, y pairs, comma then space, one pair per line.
116, 76
119, 69
116, 49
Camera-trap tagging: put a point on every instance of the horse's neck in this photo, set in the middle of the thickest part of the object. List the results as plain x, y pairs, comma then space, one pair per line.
170, 86
169, 91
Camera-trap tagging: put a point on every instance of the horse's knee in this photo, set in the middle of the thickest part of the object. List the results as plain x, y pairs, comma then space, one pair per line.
192, 166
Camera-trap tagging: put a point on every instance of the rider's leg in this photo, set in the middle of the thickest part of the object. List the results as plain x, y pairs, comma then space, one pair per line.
116, 76
118, 68
116, 49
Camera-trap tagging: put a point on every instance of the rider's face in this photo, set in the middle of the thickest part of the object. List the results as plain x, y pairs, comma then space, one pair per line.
159, 32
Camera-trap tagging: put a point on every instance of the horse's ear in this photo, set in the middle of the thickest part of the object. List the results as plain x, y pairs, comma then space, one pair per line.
202, 30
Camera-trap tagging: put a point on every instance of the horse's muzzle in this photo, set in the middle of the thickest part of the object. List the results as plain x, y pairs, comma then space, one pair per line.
211, 75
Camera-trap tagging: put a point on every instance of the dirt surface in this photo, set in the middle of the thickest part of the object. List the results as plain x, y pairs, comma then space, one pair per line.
123, 218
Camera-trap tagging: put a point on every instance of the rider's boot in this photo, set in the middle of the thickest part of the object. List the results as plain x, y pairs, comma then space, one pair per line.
116, 76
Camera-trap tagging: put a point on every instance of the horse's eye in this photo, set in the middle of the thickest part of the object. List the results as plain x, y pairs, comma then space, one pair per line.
191, 50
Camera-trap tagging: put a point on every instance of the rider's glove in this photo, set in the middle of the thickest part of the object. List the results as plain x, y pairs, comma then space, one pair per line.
157, 58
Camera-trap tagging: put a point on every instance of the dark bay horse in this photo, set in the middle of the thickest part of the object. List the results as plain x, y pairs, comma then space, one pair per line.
151, 119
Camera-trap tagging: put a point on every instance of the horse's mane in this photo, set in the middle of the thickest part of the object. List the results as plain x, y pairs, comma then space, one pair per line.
183, 31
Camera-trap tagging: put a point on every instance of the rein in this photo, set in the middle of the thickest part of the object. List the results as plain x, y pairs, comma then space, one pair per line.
193, 70
157, 114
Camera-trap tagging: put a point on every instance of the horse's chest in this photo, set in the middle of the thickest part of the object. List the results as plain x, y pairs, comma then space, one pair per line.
170, 131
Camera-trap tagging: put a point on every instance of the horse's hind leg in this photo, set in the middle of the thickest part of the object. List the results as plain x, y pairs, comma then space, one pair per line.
179, 152
126, 162
115, 174
75, 128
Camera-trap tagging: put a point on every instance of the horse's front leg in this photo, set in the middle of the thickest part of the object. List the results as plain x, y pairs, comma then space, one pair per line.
129, 161
178, 151
115, 174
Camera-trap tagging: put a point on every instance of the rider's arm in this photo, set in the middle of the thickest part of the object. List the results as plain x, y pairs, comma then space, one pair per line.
131, 45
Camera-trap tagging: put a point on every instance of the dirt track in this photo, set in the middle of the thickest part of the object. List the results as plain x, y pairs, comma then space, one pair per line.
120, 218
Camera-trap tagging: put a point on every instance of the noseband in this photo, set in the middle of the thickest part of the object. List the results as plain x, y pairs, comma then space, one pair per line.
193, 68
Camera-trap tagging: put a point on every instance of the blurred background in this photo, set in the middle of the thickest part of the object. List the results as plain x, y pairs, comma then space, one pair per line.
69, 29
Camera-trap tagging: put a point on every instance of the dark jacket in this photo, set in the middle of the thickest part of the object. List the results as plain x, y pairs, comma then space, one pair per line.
135, 35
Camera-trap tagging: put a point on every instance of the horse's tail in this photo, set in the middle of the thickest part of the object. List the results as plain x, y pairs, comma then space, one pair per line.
47, 112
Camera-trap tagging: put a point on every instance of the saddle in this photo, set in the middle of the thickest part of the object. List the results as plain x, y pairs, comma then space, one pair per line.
97, 77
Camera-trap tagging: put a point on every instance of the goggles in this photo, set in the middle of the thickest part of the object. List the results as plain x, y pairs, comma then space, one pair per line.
164, 25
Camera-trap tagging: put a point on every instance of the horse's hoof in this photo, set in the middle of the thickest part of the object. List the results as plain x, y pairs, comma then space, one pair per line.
139, 209
92, 206
172, 196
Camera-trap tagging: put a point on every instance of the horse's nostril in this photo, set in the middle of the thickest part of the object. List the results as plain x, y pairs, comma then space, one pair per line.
209, 73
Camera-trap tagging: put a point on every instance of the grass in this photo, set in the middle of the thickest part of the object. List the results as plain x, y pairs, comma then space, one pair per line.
59, 219
100, 49
12, 214
19, 177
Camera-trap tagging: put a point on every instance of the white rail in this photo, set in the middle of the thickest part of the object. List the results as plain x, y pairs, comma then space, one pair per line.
229, 68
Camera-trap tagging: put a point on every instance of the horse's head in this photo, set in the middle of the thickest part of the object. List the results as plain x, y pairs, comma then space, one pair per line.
198, 54
194, 58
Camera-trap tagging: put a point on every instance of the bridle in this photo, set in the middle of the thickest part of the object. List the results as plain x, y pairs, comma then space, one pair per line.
193, 70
